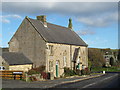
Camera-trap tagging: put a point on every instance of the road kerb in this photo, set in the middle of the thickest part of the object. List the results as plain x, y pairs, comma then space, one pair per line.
81, 79
65, 82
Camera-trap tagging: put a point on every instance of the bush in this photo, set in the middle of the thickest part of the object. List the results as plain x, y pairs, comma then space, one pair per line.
30, 72
78, 72
37, 70
69, 72
85, 71
32, 78
45, 75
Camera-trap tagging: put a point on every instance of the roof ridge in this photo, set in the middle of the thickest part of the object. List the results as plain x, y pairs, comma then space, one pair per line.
50, 23
59, 25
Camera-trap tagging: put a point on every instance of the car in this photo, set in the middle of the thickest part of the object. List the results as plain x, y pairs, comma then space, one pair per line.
2, 68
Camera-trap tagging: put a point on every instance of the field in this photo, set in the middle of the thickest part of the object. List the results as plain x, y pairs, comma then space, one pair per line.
110, 69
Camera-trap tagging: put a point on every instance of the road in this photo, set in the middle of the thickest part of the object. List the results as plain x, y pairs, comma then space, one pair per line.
110, 80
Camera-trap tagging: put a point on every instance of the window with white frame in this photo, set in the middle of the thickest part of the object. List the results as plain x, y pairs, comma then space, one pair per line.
64, 61
51, 49
50, 65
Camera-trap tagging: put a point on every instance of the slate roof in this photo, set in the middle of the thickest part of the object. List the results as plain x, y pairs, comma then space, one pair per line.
57, 34
15, 58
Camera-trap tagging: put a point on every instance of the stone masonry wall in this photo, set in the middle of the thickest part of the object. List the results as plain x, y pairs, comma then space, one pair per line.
20, 67
29, 42
58, 55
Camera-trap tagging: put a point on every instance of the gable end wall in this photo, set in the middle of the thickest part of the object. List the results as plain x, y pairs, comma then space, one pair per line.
29, 42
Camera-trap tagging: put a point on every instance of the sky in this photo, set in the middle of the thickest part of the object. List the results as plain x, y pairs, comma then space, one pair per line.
96, 22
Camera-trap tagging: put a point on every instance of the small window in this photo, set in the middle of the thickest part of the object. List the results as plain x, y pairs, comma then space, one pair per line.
51, 49
3, 68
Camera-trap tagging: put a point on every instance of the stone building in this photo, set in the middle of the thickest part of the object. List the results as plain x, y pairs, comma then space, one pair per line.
50, 45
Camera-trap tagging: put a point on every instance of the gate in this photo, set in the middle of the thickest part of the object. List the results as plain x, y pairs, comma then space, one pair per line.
7, 74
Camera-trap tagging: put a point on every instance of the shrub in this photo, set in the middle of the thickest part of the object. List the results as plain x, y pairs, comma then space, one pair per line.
30, 72
85, 71
39, 69
78, 72
32, 78
36, 70
69, 72
45, 75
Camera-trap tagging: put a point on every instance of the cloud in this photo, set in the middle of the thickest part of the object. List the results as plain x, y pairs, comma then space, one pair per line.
98, 14
60, 1
85, 32
99, 21
5, 18
77, 8
12, 16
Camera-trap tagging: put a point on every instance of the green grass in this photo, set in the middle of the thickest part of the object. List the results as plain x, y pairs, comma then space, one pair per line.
110, 69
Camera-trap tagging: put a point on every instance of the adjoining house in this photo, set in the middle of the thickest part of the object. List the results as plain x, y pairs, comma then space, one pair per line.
53, 46
15, 61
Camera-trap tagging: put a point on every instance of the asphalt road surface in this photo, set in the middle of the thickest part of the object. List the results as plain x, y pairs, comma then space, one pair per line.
110, 80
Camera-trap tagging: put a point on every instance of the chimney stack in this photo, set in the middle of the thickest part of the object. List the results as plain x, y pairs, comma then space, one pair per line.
70, 24
42, 18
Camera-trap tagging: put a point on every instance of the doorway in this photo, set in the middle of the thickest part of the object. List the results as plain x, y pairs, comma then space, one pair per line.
57, 68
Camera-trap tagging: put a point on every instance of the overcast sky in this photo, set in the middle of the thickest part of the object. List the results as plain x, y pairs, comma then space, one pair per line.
95, 22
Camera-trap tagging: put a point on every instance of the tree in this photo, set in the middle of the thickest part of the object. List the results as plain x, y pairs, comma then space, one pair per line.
96, 57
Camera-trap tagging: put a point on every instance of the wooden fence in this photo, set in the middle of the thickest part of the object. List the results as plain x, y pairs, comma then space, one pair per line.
7, 74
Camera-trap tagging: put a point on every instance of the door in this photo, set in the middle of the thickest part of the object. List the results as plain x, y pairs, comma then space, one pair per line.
57, 68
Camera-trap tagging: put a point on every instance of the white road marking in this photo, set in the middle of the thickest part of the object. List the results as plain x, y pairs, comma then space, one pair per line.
99, 81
